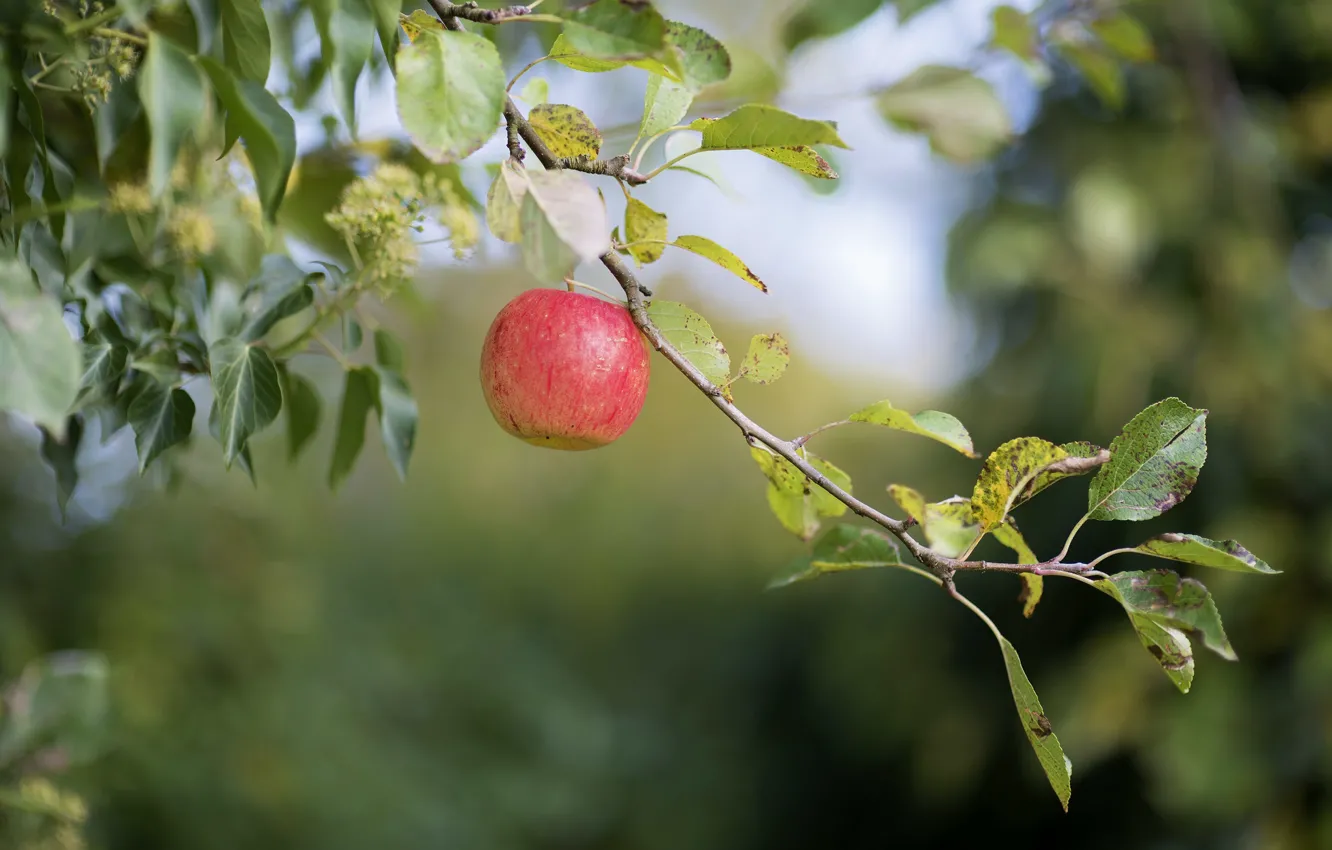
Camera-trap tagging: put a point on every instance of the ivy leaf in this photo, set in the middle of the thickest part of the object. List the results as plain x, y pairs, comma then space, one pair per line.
247, 393
664, 104
711, 250
705, 59
757, 125
388, 351
842, 548
301, 401
1154, 463
103, 367
934, 424
359, 395
563, 221
161, 417
1218, 554
566, 130
1125, 36
616, 30
245, 42
1058, 769
767, 358
39, 361
347, 32
450, 92
641, 222
802, 158
397, 418
268, 130
949, 526
278, 303
536, 91
62, 455
175, 99
692, 336
959, 111
504, 202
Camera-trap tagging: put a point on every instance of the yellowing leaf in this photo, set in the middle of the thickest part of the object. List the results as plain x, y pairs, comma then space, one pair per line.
948, 526
1033, 585
565, 130
1010, 475
692, 336
802, 158
766, 359
797, 502
641, 222
757, 125
722, 257
928, 423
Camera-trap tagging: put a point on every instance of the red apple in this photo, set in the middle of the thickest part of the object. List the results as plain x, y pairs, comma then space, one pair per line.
564, 370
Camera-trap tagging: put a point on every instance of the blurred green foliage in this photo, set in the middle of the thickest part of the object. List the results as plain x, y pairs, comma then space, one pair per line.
525, 649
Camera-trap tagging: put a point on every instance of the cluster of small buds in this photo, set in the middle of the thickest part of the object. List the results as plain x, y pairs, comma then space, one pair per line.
66, 811
378, 215
93, 82
130, 198
460, 220
122, 57
191, 232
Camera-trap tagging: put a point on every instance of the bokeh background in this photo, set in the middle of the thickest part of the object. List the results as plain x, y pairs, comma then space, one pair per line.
528, 649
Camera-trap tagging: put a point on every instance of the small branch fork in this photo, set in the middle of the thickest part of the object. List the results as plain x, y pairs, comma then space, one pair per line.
755, 434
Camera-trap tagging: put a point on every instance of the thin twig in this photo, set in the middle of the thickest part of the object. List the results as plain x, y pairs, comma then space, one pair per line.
474, 13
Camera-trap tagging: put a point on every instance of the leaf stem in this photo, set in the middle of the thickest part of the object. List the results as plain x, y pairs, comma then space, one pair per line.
529, 66
332, 350
1099, 558
47, 69
668, 163
1068, 541
92, 23
800, 441
107, 32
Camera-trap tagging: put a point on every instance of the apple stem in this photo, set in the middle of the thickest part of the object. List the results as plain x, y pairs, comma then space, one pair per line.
603, 293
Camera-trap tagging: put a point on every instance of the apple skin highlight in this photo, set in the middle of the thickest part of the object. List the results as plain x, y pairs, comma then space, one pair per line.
564, 370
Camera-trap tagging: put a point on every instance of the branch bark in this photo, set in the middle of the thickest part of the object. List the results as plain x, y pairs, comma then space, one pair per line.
472, 12
754, 433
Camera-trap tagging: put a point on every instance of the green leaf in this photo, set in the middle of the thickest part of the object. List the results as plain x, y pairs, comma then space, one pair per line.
796, 502
758, 125
1218, 554
359, 396
1011, 474
301, 401
161, 417
1058, 769
352, 335
279, 302
504, 202
825, 18
245, 44
536, 91
711, 250
623, 31
766, 359
949, 526
6, 98
802, 158
450, 92
62, 455
908, 9
1166, 611
268, 130
1102, 72
664, 104
1125, 36
928, 423
175, 101
247, 393
705, 59
39, 361
1014, 32
566, 54
388, 351
1154, 463
566, 130
960, 112
839, 549
397, 418
60, 703
641, 222
563, 222
692, 336
347, 31
386, 14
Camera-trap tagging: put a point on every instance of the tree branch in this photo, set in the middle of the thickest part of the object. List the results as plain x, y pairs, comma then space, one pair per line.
472, 12
755, 434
